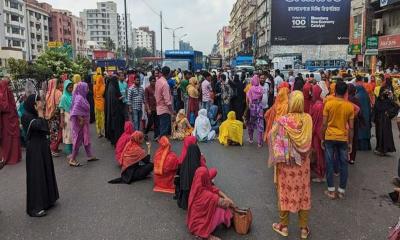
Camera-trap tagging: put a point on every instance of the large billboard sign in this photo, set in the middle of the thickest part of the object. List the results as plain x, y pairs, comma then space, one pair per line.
384, 3
310, 22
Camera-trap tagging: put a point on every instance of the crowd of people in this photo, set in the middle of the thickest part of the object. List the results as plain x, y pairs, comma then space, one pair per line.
313, 130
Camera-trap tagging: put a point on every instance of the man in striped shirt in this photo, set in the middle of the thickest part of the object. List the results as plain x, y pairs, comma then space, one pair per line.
135, 102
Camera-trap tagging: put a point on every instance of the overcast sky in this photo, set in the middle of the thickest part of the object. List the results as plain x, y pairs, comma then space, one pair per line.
201, 19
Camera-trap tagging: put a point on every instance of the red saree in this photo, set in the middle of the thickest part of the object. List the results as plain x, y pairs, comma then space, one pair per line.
316, 115
165, 166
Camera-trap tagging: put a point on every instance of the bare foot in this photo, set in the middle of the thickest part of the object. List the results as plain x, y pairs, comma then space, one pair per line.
212, 237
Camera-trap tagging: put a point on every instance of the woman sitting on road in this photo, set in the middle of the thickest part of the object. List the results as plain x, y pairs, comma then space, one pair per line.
208, 206
181, 127
202, 127
123, 140
136, 163
231, 131
165, 165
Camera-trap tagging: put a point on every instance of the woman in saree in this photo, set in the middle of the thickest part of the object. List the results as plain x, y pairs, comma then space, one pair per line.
165, 166
358, 119
80, 117
181, 127
364, 131
90, 97
290, 142
193, 106
202, 127
98, 95
41, 183
316, 111
187, 142
385, 110
65, 109
123, 140
136, 163
255, 119
209, 207
10, 144
277, 110
231, 131
53, 116
76, 79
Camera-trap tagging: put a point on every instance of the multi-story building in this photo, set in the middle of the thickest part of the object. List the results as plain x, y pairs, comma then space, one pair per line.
223, 38
185, 46
145, 38
61, 26
37, 26
122, 33
13, 26
101, 24
79, 40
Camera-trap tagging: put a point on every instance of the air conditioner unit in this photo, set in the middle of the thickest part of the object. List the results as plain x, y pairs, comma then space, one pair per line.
377, 26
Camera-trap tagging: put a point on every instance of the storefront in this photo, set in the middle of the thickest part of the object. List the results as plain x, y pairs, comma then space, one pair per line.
389, 50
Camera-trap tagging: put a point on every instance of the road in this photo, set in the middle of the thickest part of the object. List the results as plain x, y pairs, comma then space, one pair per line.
90, 208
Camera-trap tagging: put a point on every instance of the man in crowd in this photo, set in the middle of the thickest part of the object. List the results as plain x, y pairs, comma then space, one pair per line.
266, 87
337, 132
164, 102
206, 90
135, 102
277, 81
183, 87
151, 108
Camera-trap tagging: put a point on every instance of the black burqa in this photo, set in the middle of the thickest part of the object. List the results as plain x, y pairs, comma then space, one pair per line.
135, 172
41, 183
238, 99
89, 97
115, 117
186, 171
385, 110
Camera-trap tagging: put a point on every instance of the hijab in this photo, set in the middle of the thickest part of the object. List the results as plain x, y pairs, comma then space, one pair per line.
180, 116
202, 125
280, 108
76, 79
98, 91
66, 98
231, 129
256, 91
30, 87
203, 203
123, 140
161, 154
7, 101
53, 96
80, 105
190, 140
316, 94
189, 167
192, 88
133, 152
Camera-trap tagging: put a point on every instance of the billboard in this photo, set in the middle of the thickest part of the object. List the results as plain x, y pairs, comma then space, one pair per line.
384, 3
310, 22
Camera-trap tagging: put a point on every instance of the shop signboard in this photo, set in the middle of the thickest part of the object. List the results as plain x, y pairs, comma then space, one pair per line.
372, 43
355, 49
55, 44
389, 42
305, 22
384, 3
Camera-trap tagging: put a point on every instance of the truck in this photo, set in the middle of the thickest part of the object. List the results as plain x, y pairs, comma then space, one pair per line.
184, 60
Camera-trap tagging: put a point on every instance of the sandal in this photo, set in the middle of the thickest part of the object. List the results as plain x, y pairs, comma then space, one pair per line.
331, 195
352, 162
281, 229
305, 233
74, 163
93, 159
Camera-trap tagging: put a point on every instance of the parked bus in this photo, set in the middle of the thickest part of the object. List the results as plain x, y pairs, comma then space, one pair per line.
314, 65
242, 60
185, 60
215, 62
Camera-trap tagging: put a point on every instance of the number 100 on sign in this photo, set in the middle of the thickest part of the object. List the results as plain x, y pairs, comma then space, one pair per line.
299, 22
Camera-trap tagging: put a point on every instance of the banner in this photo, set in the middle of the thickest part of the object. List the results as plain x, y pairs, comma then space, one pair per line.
384, 3
310, 22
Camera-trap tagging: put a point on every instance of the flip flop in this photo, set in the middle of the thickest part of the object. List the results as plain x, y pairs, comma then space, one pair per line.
93, 159
74, 164
277, 227
305, 235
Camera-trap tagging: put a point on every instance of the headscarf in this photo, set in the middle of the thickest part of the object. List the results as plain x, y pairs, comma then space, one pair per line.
316, 93
202, 125
212, 114
203, 202
10, 119
98, 92
190, 140
192, 88
180, 116
133, 152
324, 89
76, 79
29, 104
290, 137
284, 85
256, 91
66, 98
80, 105
123, 140
161, 154
231, 129
30, 87
280, 108
53, 96
189, 167
7, 101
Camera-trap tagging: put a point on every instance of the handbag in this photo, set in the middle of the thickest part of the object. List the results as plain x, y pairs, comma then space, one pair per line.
242, 219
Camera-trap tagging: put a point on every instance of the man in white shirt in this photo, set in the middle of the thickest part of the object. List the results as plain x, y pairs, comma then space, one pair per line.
278, 80
265, 85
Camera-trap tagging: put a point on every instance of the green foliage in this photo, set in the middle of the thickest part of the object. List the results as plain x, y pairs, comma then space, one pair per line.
82, 66
142, 52
109, 44
57, 61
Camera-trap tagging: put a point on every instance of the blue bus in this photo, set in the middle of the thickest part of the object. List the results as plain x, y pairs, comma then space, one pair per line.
314, 65
242, 60
185, 60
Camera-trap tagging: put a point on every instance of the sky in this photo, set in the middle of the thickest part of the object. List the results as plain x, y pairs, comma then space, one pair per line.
201, 19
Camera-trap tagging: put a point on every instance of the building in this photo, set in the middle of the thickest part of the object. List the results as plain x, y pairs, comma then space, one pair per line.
145, 38
79, 36
13, 26
61, 26
185, 46
37, 26
223, 39
101, 24
122, 34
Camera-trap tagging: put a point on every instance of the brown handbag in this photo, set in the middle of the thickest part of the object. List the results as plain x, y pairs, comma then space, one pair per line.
242, 219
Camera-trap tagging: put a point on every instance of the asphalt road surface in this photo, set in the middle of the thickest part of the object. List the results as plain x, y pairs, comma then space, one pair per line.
90, 208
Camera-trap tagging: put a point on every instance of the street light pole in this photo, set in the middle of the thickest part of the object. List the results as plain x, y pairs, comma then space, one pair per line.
173, 33
161, 35
126, 33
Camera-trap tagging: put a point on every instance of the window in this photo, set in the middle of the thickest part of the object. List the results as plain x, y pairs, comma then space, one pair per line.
32, 35
45, 18
16, 43
31, 24
15, 18
14, 5
23, 44
33, 46
45, 28
15, 30
46, 38
30, 13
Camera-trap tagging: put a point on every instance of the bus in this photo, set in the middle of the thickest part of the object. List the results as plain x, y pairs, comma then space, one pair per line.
185, 60
215, 62
314, 65
242, 60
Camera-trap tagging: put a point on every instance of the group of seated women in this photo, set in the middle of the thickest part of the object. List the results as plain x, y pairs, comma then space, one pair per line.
186, 176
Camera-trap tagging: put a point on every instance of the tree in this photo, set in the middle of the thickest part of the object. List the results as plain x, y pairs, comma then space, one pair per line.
109, 44
142, 52
81, 66
57, 61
